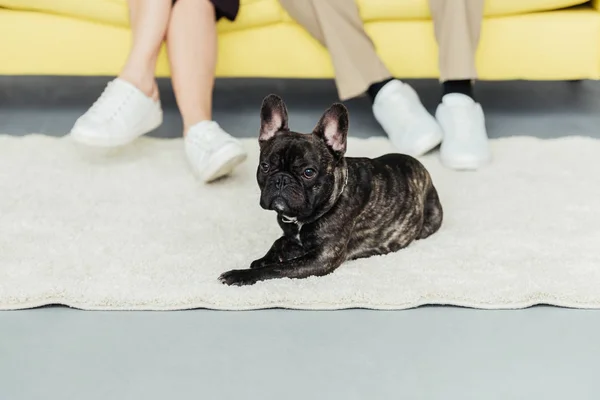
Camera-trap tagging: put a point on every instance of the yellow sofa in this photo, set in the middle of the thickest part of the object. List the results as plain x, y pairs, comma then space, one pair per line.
521, 39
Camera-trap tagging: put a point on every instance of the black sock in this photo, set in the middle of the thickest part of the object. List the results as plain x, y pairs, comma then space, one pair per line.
376, 87
464, 86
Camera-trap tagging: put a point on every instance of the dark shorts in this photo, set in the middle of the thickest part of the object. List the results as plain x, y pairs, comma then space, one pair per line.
224, 8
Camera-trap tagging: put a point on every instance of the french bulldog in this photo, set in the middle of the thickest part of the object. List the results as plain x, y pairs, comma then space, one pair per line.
333, 208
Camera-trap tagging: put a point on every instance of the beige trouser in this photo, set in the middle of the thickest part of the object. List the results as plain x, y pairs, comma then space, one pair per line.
337, 25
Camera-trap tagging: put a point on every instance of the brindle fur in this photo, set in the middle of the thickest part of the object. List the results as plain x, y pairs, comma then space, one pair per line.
358, 207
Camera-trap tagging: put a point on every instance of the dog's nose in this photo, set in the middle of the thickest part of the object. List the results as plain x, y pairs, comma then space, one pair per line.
282, 181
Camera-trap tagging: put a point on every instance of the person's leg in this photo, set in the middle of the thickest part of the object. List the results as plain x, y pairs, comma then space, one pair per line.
149, 21
129, 106
336, 24
192, 50
358, 69
457, 26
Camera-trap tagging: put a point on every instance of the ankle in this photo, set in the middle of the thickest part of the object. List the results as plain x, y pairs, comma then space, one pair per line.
376, 87
141, 75
190, 122
462, 86
145, 85
155, 94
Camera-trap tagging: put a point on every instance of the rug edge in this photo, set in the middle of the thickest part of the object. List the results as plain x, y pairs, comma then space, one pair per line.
517, 305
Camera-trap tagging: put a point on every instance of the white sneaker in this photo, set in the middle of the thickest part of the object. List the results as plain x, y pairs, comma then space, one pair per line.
120, 115
465, 144
212, 152
411, 129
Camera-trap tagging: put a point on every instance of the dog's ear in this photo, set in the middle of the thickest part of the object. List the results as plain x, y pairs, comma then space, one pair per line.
273, 117
332, 128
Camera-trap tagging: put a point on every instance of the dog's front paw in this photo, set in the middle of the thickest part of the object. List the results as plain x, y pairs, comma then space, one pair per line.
239, 277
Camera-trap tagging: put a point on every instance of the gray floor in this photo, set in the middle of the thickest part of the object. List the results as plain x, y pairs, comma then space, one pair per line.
426, 353
544, 109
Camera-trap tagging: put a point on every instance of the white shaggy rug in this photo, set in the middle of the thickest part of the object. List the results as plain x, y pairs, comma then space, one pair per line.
132, 230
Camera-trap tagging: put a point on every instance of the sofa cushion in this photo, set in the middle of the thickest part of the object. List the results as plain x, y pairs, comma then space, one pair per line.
253, 13
382, 10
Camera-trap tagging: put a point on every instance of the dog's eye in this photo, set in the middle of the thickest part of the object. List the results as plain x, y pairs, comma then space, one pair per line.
309, 173
264, 167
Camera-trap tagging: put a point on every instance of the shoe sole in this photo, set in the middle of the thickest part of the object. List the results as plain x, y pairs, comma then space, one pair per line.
424, 145
81, 137
223, 162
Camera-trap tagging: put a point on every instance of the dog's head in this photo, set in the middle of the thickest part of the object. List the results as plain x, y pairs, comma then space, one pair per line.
298, 174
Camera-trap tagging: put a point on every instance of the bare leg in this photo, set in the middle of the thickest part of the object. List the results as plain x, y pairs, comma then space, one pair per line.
149, 21
192, 49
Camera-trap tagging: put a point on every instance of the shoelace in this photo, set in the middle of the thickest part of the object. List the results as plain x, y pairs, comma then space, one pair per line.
106, 108
211, 138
